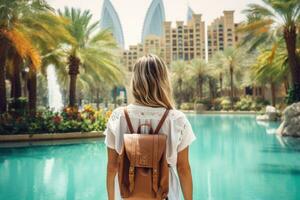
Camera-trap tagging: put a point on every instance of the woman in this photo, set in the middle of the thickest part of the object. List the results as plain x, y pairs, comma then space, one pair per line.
152, 94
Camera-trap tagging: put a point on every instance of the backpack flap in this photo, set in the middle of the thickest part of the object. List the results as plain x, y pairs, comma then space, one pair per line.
144, 151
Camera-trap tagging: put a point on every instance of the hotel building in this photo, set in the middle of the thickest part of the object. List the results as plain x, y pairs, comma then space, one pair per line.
182, 42
221, 33
185, 41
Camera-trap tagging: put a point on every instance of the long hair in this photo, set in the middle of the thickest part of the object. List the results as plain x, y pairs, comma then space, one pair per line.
150, 82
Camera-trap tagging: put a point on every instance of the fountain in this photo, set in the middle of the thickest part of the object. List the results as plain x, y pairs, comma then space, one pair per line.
54, 94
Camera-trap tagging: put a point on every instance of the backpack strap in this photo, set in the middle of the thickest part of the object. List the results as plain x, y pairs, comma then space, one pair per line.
155, 164
128, 120
161, 122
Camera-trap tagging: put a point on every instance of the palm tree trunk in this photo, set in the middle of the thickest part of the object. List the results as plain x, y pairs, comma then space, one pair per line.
97, 98
290, 37
74, 63
72, 90
221, 84
2, 84
200, 91
24, 82
180, 92
16, 88
231, 86
263, 92
286, 85
273, 93
32, 91
211, 89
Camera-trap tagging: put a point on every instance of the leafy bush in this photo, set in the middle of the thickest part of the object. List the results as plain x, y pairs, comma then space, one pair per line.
187, 106
47, 121
216, 104
225, 103
207, 102
245, 104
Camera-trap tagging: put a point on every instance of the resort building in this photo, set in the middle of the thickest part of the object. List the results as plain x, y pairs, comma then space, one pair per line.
110, 20
130, 56
152, 44
221, 33
153, 23
185, 41
182, 42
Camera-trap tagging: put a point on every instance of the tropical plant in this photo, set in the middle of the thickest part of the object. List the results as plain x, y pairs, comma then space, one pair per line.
232, 62
26, 27
198, 71
179, 77
271, 67
47, 121
276, 18
93, 51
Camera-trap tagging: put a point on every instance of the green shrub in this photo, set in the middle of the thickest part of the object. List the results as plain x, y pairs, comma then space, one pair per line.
216, 104
262, 102
207, 102
47, 121
225, 103
187, 106
245, 104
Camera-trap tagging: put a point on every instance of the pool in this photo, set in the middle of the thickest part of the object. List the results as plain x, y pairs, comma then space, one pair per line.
233, 158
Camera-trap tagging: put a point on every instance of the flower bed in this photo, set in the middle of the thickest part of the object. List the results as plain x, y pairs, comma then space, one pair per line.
48, 121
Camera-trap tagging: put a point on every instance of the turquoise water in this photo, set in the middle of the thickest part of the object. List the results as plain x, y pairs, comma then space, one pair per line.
233, 158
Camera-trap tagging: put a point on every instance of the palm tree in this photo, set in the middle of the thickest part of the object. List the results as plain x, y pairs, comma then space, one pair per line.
217, 71
15, 44
271, 67
199, 73
232, 61
26, 27
276, 18
93, 51
179, 76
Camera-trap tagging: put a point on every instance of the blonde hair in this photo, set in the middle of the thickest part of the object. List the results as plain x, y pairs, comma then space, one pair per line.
150, 82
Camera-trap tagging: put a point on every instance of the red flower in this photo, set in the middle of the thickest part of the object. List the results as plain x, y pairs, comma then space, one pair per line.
56, 119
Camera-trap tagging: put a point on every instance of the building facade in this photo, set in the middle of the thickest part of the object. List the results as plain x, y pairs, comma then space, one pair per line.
182, 42
185, 41
221, 33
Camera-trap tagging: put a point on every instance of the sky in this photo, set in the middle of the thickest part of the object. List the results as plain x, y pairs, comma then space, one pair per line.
132, 12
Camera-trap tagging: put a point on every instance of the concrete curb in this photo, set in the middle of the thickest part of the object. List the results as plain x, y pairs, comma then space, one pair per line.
221, 112
49, 136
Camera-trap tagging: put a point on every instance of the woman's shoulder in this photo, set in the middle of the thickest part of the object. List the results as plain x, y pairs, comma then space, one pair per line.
176, 114
116, 113
118, 110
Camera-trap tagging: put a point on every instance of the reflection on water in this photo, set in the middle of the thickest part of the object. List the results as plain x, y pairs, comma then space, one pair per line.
53, 172
232, 158
242, 161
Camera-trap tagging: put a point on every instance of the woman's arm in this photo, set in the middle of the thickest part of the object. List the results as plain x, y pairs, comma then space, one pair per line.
185, 174
112, 167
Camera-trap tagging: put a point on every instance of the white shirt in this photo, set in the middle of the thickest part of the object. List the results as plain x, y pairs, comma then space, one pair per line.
176, 126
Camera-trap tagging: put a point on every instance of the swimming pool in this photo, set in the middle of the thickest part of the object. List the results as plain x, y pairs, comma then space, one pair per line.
233, 158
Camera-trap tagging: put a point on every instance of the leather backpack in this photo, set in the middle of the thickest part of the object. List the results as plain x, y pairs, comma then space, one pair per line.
143, 172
